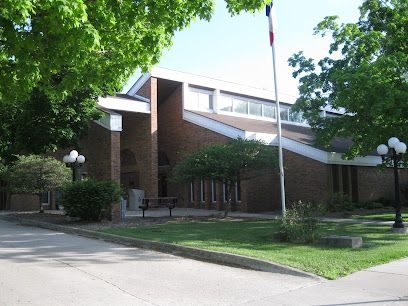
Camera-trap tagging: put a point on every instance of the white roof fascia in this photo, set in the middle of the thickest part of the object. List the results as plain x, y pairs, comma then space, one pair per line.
127, 105
139, 83
288, 144
111, 122
183, 77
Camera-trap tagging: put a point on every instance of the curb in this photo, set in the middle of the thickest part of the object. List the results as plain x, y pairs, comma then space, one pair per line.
174, 249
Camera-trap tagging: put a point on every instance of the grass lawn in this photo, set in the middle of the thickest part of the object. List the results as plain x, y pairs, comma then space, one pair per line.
253, 238
388, 215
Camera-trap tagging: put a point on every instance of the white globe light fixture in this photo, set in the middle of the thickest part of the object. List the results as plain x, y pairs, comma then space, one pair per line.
65, 159
382, 149
392, 142
74, 161
81, 159
74, 153
398, 148
71, 159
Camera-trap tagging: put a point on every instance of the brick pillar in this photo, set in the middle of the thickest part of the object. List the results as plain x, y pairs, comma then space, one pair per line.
115, 170
197, 194
154, 162
208, 194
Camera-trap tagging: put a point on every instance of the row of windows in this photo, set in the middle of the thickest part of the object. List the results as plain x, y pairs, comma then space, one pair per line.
214, 191
202, 100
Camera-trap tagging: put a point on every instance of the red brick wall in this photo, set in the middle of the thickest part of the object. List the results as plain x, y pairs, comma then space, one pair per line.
143, 138
305, 179
136, 138
374, 184
177, 135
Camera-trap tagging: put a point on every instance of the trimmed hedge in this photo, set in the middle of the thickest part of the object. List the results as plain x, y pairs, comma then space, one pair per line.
90, 199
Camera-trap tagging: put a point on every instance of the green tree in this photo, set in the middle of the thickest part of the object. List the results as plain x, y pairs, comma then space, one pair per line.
368, 80
236, 160
35, 175
40, 125
57, 57
93, 44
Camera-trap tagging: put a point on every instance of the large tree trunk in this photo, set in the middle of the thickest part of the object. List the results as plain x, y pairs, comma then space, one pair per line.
39, 200
8, 200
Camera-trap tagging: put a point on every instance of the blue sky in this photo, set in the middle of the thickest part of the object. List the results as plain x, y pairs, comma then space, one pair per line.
237, 48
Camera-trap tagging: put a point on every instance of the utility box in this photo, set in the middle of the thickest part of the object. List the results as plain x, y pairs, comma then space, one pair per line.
135, 198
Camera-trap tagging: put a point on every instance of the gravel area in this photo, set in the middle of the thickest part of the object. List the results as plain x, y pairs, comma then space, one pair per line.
139, 221
127, 222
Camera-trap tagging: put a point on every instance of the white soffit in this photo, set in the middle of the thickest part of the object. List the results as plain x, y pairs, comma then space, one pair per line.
111, 122
128, 105
287, 143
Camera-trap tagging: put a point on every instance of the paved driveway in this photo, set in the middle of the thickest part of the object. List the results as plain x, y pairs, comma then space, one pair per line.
43, 267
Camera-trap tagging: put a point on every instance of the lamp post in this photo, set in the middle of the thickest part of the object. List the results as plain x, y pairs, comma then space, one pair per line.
398, 148
74, 161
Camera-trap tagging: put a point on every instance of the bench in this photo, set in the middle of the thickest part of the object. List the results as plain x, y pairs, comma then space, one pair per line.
168, 202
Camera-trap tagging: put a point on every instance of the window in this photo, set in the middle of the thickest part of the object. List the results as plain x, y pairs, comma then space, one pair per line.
296, 117
284, 114
238, 191
213, 191
199, 100
258, 108
45, 198
345, 181
240, 106
224, 192
192, 192
255, 109
226, 104
269, 111
202, 191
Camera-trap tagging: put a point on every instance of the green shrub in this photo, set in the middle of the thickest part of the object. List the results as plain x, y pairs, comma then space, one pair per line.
300, 225
336, 202
90, 199
386, 202
370, 205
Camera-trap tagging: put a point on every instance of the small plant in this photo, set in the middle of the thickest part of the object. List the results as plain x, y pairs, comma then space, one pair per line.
90, 199
300, 225
336, 202
370, 205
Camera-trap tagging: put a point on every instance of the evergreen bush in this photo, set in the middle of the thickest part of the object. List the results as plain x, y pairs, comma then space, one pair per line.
90, 199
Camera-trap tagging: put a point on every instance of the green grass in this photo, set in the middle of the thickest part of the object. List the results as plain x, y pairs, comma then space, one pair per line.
388, 215
253, 238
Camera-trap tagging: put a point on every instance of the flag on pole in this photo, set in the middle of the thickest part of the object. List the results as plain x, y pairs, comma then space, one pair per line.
270, 12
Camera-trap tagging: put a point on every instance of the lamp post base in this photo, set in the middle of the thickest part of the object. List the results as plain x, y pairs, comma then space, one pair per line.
398, 224
399, 230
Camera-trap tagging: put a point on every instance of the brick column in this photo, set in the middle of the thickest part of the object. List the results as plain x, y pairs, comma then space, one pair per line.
154, 162
115, 170
208, 194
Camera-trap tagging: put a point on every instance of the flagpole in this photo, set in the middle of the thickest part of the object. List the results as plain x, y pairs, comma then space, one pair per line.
278, 122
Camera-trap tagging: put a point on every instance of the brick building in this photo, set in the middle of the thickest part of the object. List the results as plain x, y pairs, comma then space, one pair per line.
167, 112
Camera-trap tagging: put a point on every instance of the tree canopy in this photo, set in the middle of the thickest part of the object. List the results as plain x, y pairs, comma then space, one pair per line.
63, 54
35, 175
230, 162
369, 80
93, 44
